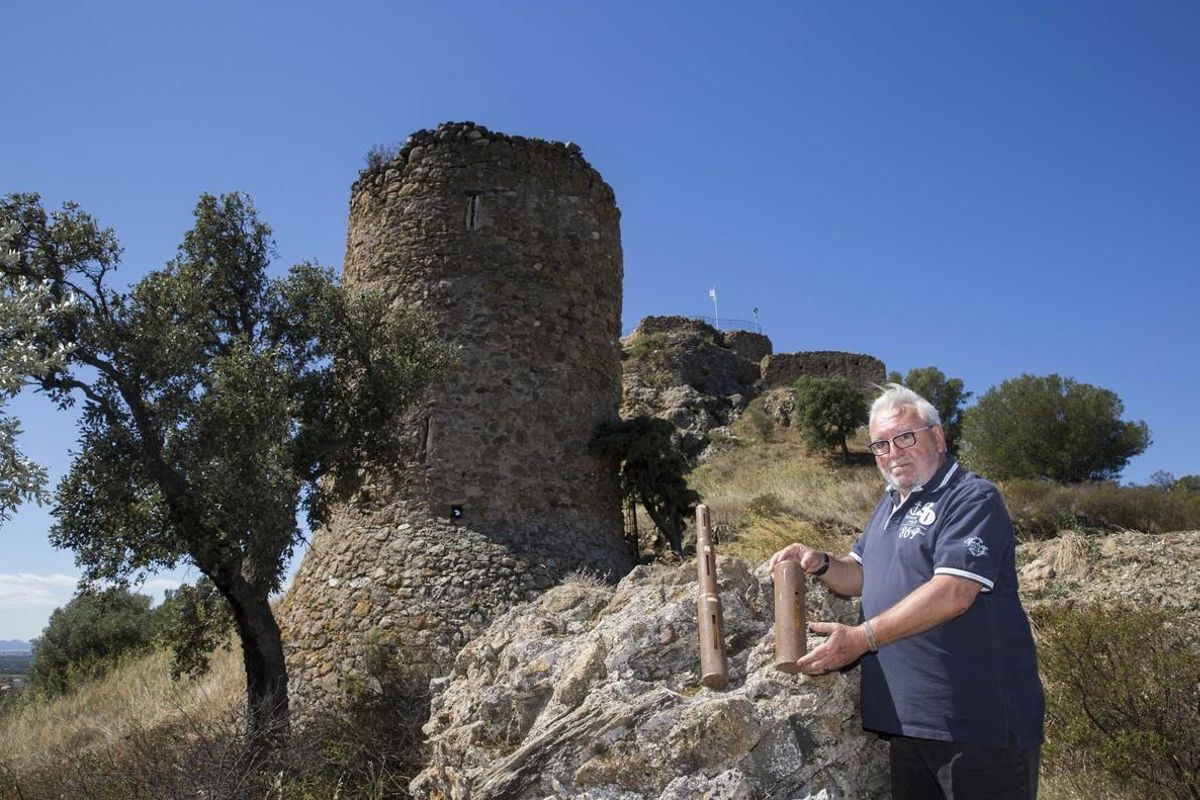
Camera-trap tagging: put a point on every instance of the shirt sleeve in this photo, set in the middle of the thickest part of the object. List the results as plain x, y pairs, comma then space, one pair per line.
856, 549
973, 540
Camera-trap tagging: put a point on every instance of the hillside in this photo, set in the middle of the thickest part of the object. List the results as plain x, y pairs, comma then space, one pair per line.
591, 690
764, 491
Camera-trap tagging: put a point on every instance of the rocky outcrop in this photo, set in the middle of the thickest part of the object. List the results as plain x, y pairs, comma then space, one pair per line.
686, 371
593, 692
1133, 568
683, 370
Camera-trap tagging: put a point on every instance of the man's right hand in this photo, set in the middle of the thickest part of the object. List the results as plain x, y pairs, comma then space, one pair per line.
810, 560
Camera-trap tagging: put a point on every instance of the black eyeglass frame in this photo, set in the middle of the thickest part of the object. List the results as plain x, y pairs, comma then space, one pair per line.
895, 440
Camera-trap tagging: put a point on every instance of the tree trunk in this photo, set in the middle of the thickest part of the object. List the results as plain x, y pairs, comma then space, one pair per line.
669, 531
262, 656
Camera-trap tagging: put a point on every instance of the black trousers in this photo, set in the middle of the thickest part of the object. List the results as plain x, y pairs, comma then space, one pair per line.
925, 769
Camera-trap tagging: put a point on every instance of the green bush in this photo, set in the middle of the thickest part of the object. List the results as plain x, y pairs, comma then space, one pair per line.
828, 411
89, 636
192, 622
652, 471
1050, 427
1122, 698
1042, 508
947, 395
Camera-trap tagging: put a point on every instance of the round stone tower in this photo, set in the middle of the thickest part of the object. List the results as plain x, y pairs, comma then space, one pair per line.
513, 245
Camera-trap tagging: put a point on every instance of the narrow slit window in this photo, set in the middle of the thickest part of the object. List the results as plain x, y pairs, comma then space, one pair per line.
473, 212
426, 440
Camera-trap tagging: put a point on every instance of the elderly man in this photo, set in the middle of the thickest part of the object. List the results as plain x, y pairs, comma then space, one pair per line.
949, 671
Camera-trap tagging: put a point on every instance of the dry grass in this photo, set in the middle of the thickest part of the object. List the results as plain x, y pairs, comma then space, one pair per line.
135, 697
1071, 554
768, 491
1052, 786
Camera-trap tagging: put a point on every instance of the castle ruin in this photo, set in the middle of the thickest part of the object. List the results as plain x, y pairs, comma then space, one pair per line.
513, 245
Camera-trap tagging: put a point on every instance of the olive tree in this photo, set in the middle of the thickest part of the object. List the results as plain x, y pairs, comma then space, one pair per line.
828, 411
217, 403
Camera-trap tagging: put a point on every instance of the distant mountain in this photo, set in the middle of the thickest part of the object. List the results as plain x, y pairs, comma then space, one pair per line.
14, 646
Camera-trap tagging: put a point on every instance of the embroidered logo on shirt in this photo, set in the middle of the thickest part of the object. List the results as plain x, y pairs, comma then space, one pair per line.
916, 520
975, 546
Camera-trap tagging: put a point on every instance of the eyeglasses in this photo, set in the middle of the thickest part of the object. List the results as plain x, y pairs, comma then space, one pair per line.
906, 439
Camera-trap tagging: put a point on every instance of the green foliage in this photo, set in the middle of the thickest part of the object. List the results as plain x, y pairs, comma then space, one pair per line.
1123, 697
1167, 482
1188, 483
944, 394
218, 401
652, 471
1050, 427
87, 637
1042, 508
828, 411
26, 312
193, 621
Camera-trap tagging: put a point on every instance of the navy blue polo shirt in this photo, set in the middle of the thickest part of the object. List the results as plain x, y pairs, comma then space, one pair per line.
972, 679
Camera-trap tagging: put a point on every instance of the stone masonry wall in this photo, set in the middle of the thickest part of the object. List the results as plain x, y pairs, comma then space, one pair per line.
513, 245
749, 345
783, 370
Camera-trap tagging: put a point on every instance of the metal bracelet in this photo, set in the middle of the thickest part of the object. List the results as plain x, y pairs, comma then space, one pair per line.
870, 632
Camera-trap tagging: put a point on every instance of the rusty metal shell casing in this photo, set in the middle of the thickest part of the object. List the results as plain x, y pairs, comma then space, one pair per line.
714, 666
791, 642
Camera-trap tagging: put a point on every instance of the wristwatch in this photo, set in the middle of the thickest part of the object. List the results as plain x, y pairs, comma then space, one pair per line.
821, 570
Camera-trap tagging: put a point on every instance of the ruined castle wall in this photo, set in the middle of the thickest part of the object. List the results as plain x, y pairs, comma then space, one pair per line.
513, 245
749, 345
784, 369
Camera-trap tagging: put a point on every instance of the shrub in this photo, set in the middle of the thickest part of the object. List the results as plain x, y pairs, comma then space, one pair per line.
1050, 427
193, 621
380, 155
1042, 508
828, 410
87, 637
371, 745
1123, 697
652, 471
945, 394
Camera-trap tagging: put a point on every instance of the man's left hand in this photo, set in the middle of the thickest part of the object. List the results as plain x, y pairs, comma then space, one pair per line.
845, 645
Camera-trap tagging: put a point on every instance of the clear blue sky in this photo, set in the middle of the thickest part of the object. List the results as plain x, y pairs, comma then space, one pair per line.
990, 188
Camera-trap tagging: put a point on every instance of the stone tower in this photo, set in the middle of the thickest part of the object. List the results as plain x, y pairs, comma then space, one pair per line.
513, 245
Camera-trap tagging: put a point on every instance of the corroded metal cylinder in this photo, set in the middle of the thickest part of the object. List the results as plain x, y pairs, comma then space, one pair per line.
790, 639
714, 665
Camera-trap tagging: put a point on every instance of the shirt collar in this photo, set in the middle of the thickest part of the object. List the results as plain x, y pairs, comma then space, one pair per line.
938, 481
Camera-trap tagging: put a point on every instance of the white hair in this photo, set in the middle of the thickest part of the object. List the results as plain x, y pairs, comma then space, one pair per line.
896, 397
